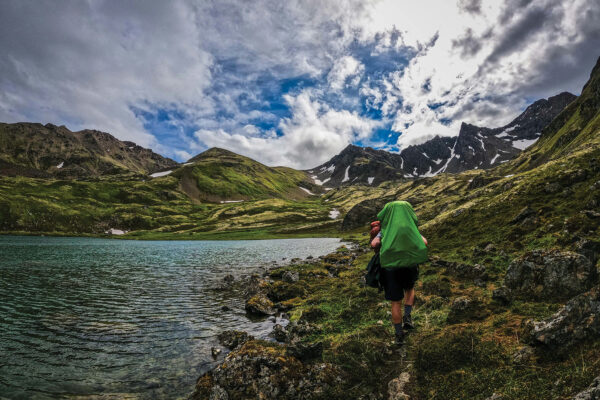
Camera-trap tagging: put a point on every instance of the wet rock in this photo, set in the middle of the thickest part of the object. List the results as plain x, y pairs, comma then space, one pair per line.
466, 309
228, 278
259, 304
306, 351
396, 387
225, 308
215, 352
290, 277
259, 370
232, 339
254, 284
591, 393
549, 275
577, 321
279, 333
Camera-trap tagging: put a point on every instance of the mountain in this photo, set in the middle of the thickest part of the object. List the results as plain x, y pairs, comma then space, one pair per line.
221, 175
358, 165
37, 150
474, 148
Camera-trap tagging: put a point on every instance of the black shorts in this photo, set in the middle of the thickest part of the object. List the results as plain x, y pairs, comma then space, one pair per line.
396, 280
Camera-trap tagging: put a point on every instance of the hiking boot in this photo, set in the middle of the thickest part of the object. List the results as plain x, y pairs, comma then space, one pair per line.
407, 322
399, 341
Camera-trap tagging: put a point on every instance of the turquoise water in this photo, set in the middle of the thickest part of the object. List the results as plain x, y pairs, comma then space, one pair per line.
84, 316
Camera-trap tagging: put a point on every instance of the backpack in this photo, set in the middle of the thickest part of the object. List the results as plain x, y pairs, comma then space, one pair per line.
373, 273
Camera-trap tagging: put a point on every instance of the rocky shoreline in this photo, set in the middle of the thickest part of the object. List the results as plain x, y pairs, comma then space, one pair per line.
281, 366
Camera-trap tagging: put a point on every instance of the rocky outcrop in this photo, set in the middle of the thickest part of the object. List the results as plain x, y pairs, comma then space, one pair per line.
259, 304
261, 370
591, 393
577, 321
549, 275
233, 339
363, 213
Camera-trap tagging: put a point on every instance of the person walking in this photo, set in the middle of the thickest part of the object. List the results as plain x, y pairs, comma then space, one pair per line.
401, 249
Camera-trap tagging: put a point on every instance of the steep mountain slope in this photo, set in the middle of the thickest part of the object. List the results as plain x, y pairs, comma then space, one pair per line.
358, 165
473, 148
37, 150
221, 175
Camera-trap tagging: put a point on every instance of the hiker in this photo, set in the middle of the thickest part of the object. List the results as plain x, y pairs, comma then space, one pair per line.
401, 249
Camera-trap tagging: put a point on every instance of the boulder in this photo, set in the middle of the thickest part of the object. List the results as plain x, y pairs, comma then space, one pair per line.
577, 321
259, 370
524, 214
233, 339
589, 248
279, 333
550, 275
363, 213
591, 393
259, 304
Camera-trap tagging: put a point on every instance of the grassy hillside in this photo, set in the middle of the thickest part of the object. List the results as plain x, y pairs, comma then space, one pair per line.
221, 175
36, 150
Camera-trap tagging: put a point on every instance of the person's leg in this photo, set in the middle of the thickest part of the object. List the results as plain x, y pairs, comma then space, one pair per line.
396, 312
409, 297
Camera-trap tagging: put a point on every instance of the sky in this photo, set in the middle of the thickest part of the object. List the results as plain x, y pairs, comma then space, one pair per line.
288, 82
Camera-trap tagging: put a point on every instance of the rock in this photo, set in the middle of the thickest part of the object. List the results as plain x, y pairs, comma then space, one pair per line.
466, 309
591, 214
525, 213
259, 304
215, 352
261, 370
523, 355
501, 295
490, 248
253, 285
225, 308
456, 213
228, 278
232, 339
363, 213
218, 393
577, 321
549, 275
290, 277
476, 272
591, 393
552, 188
495, 396
589, 249
396, 387
298, 329
278, 333
306, 351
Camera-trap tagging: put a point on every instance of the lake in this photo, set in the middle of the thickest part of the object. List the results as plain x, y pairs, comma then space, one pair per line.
86, 316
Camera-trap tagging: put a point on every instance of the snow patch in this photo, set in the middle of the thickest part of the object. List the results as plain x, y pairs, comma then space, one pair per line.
159, 174
523, 143
508, 176
318, 181
346, 176
494, 159
230, 201
113, 231
331, 168
428, 173
370, 179
307, 191
481, 141
438, 161
426, 155
334, 213
60, 165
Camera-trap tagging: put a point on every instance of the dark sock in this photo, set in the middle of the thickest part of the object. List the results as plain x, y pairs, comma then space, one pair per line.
398, 328
407, 309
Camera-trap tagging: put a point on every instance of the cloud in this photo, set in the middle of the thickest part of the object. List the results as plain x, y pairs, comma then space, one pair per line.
309, 137
288, 82
344, 68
